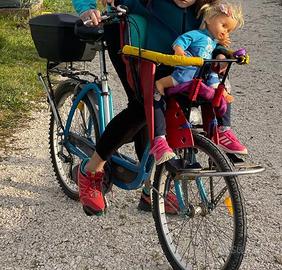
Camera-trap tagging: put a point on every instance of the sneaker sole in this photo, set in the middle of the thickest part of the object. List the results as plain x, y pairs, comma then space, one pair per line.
243, 152
144, 206
90, 212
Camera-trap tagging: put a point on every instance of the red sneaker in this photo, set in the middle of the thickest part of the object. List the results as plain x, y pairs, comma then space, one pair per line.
90, 192
230, 144
171, 204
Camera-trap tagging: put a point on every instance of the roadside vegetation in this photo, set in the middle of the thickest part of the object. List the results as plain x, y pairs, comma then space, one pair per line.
20, 90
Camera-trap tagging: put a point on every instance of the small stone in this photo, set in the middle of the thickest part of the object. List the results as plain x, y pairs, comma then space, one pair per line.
278, 258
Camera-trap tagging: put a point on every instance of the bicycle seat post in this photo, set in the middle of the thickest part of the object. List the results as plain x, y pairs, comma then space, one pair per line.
104, 82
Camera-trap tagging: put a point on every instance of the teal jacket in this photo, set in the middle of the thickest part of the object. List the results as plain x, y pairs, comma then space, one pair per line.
165, 21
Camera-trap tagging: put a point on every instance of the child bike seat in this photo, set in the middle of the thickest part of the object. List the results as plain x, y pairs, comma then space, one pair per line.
205, 92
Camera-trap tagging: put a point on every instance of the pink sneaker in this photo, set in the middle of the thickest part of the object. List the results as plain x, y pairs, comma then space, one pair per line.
161, 150
230, 144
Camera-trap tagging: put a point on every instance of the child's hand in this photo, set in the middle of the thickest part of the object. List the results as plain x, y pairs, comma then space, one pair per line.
226, 41
220, 67
159, 88
228, 97
178, 51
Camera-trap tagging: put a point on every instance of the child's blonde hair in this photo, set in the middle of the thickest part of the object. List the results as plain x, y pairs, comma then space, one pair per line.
221, 7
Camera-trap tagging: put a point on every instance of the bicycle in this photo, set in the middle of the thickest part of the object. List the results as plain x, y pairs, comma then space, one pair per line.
202, 176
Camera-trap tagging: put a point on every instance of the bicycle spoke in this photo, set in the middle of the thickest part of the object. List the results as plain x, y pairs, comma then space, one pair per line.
211, 249
191, 239
208, 220
83, 123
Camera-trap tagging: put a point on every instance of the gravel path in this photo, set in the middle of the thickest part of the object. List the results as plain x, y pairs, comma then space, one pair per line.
42, 229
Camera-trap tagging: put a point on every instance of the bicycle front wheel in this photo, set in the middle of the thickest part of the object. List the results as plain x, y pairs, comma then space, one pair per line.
209, 229
84, 124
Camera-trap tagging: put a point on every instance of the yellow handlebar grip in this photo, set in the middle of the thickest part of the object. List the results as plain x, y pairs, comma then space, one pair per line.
160, 58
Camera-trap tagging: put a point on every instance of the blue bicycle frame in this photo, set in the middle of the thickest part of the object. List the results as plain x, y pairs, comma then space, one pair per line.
142, 170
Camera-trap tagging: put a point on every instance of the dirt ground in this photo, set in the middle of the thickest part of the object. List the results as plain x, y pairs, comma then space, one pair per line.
42, 229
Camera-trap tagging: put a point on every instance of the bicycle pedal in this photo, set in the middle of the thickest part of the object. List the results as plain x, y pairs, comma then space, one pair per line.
177, 166
74, 174
64, 158
235, 159
246, 166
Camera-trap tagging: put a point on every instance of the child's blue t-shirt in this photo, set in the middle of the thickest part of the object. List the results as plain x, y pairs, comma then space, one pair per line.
197, 43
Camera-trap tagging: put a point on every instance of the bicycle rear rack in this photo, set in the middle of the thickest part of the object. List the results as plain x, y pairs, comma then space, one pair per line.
175, 167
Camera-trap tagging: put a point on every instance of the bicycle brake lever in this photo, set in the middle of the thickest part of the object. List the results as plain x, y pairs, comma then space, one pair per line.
240, 52
122, 8
242, 56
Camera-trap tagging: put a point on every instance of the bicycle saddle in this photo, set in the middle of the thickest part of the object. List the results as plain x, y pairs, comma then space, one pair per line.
93, 33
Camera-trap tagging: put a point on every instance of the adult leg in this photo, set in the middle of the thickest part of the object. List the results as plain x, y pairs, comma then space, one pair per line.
120, 130
112, 36
113, 136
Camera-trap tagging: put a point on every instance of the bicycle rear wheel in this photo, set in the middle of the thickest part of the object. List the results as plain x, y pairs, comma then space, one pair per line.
209, 231
84, 124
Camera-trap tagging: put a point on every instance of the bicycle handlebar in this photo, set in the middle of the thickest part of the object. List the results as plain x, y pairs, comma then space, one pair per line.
114, 12
177, 60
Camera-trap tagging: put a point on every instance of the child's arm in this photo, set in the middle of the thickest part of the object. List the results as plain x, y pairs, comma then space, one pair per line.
178, 50
184, 41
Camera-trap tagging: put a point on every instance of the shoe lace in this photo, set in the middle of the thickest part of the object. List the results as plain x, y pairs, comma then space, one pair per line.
97, 181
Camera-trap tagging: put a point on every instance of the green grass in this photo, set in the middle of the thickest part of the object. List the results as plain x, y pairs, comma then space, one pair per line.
19, 64
58, 5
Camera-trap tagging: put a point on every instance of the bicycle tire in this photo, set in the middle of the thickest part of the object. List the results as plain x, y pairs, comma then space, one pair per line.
235, 252
63, 166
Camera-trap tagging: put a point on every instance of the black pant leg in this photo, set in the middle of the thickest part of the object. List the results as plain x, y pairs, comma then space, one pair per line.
225, 120
112, 37
140, 141
122, 129
159, 117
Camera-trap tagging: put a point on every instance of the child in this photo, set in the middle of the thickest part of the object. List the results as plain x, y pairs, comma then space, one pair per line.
219, 20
